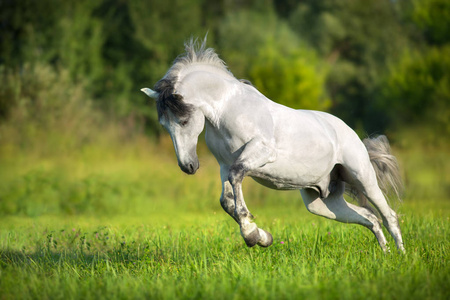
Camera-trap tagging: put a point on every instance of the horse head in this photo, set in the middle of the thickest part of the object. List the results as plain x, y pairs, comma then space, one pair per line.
183, 121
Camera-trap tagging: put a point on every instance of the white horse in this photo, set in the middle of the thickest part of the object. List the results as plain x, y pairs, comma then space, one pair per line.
279, 147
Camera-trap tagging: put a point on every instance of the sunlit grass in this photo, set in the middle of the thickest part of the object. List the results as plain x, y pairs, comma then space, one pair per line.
203, 255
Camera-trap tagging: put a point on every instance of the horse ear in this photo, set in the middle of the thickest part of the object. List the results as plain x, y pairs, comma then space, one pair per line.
151, 93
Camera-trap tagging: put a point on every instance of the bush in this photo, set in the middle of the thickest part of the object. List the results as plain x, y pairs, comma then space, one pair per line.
433, 18
294, 80
45, 111
417, 89
261, 47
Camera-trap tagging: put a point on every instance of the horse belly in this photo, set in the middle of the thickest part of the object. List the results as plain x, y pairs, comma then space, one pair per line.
291, 178
304, 166
276, 183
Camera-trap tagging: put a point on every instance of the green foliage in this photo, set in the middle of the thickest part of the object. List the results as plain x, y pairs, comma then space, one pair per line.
433, 18
259, 45
417, 90
28, 32
84, 60
242, 35
357, 39
112, 48
45, 107
294, 79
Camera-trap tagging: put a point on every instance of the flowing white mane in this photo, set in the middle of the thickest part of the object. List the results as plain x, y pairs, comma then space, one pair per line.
195, 53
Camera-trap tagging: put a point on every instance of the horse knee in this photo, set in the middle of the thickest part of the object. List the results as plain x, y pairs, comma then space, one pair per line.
236, 174
227, 203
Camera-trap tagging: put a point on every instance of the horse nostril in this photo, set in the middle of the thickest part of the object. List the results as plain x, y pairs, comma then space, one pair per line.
189, 168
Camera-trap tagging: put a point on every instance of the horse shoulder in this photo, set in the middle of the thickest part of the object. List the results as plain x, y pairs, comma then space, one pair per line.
249, 116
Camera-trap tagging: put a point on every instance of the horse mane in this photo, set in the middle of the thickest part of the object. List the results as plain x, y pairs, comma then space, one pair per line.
195, 53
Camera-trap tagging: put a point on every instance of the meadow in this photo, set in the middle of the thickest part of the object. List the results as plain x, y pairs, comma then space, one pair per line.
94, 206
122, 221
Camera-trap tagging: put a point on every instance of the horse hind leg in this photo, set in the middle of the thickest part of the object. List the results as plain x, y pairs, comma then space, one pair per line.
390, 220
363, 178
335, 207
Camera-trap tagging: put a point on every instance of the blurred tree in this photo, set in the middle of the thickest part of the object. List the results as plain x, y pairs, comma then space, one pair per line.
294, 79
26, 31
244, 32
79, 41
52, 113
433, 19
357, 38
25, 38
417, 89
112, 48
161, 28
259, 46
158, 30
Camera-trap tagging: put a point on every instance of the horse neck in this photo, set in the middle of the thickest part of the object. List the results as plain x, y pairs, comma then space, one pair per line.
208, 88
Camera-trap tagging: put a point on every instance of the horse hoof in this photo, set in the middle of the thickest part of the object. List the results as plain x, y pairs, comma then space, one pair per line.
253, 238
266, 238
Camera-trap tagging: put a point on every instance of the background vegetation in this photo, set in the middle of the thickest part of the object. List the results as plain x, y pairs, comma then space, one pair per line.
377, 64
92, 203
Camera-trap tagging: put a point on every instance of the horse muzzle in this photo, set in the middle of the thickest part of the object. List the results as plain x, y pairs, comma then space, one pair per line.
190, 167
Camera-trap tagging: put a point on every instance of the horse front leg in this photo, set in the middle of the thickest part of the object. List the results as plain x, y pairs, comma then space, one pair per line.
249, 230
227, 196
255, 154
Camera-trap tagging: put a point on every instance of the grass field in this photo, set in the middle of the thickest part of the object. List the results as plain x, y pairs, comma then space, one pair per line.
126, 223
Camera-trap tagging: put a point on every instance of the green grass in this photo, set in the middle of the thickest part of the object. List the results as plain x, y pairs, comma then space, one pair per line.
125, 223
204, 256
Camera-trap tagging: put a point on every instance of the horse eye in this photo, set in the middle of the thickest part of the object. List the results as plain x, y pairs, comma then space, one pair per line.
184, 122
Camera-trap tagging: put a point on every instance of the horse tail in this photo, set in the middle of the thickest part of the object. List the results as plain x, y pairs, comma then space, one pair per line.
385, 165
